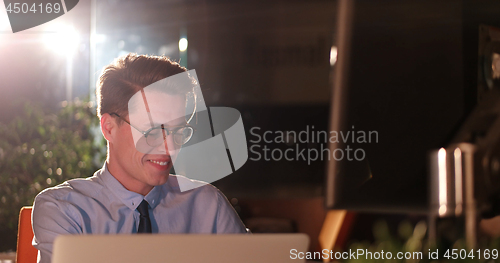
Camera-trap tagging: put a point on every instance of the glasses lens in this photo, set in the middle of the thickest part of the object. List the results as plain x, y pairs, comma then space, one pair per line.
142, 145
155, 137
183, 135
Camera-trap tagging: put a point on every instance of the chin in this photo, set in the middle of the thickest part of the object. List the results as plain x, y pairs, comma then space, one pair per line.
160, 179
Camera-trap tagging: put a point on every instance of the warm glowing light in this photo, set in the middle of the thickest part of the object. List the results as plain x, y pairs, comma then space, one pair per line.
4, 25
442, 210
442, 181
99, 38
333, 55
62, 39
458, 180
183, 44
4, 20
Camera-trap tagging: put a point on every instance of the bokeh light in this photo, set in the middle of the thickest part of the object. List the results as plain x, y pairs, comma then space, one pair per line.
333, 55
183, 44
4, 20
62, 39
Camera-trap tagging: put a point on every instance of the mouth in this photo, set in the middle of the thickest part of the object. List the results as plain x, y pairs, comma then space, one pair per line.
161, 163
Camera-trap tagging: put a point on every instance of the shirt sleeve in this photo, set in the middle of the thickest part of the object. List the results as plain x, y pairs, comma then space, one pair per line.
228, 221
50, 218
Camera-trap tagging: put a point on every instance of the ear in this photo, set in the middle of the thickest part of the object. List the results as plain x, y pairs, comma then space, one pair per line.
108, 125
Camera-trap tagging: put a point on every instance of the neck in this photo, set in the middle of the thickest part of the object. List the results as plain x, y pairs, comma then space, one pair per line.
129, 182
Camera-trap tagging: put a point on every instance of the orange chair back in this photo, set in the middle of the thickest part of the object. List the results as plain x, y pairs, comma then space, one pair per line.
26, 253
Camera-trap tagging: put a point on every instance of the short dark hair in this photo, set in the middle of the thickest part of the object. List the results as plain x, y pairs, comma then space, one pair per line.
127, 75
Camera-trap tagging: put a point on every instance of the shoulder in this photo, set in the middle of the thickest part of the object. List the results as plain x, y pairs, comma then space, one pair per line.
71, 188
63, 203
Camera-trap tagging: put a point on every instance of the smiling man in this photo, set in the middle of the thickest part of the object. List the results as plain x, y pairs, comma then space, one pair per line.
134, 191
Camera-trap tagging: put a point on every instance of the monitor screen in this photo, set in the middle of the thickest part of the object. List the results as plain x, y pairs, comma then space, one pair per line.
405, 79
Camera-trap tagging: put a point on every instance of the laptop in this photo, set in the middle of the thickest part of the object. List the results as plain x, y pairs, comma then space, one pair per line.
165, 248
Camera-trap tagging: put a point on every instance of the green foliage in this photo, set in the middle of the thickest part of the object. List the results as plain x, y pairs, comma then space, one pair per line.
412, 241
40, 150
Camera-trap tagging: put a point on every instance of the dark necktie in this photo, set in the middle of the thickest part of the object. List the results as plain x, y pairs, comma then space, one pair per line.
145, 222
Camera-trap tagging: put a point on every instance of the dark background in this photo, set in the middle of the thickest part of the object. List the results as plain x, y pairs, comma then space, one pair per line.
413, 79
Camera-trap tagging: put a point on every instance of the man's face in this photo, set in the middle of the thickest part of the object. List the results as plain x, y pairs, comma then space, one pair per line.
143, 170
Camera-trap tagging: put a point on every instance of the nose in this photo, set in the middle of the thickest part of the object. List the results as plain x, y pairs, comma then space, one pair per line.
168, 142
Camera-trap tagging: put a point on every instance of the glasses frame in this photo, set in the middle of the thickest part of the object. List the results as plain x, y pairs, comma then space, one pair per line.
168, 131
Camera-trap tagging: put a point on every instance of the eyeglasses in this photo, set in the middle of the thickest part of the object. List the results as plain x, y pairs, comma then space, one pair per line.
157, 135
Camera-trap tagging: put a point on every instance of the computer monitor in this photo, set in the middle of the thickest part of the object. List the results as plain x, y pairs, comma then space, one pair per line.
405, 79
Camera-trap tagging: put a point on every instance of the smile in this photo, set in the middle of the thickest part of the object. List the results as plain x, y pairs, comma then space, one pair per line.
160, 163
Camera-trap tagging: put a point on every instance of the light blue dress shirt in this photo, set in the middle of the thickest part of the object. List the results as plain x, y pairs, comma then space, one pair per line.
101, 205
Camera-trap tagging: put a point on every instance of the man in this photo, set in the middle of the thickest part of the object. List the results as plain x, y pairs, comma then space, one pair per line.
133, 192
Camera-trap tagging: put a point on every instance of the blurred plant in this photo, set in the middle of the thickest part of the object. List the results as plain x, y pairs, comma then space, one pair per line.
39, 150
411, 241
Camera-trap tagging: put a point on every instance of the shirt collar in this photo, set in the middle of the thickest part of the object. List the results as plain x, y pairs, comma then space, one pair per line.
129, 198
